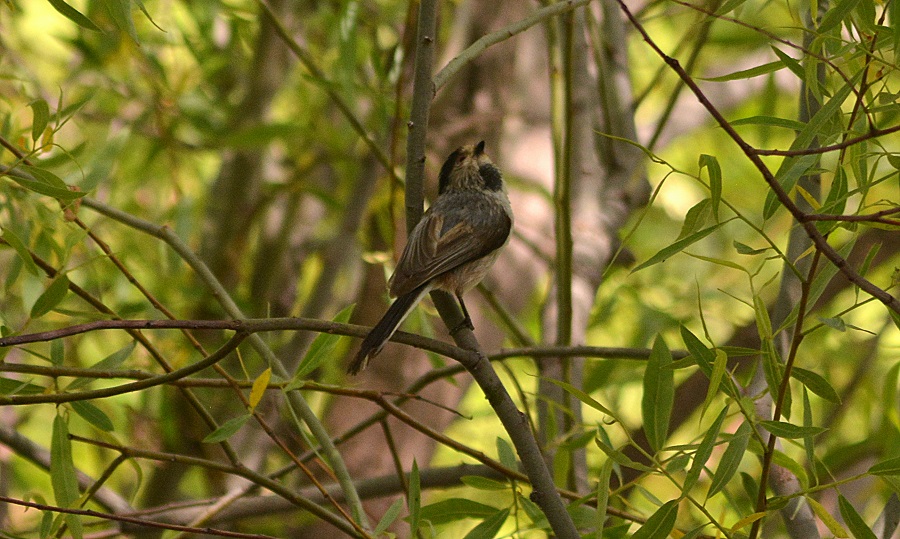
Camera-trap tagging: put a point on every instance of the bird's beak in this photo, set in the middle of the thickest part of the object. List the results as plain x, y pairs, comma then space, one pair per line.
479, 148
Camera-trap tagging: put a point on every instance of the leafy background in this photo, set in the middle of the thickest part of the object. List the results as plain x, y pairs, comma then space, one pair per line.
207, 160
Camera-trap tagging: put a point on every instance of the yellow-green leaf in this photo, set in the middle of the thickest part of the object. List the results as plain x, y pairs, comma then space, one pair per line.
259, 387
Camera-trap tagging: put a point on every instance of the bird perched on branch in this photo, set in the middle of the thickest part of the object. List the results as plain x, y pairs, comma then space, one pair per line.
452, 247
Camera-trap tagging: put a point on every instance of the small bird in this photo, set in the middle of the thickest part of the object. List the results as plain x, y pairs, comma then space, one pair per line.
452, 247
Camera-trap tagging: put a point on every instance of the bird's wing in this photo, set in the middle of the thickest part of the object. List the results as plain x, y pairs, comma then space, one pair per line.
444, 240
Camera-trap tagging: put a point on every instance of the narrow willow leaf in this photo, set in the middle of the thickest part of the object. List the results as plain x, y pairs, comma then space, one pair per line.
790, 431
755, 71
506, 453
836, 15
619, 457
120, 13
51, 297
57, 351
887, 467
715, 181
830, 522
747, 520
226, 430
704, 450
816, 383
603, 495
62, 473
731, 459
414, 499
73, 15
584, 397
41, 117
701, 354
660, 523
44, 182
744, 249
809, 445
19, 246
483, 483
112, 361
659, 394
389, 517
787, 176
489, 527
695, 218
93, 415
836, 200
853, 521
772, 121
259, 387
676, 247
715, 379
789, 62
453, 509
319, 350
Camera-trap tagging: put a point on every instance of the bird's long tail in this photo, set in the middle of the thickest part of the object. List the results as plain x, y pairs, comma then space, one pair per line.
385, 328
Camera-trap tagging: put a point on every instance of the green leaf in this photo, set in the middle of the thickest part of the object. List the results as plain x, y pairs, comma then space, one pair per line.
51, 297
787, 176
18, 387
489, 527
620, 458
853, 521
790, 431
110, 362
41, 113
93, 415
57, 351
715, 379
73, 15
584, 397
731, 459
886, 467
695, 218
755, 71
701, 354
816, 383
677, 247
62, 473
120, 13
19, 246
44, 182
226, 430
483, 483
414, 499
836, 15
319, 350
772, 121
603, 495
790, 63
704, 451
389, 517
660, 523
506, 453
743, 249
830, 522
453, 509
715, 181
659, 394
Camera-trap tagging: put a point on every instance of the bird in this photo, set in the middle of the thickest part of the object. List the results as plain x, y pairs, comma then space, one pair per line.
451, 248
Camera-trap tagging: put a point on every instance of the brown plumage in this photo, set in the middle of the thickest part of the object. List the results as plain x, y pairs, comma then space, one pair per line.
452, 247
